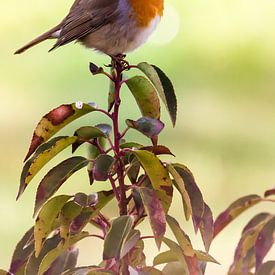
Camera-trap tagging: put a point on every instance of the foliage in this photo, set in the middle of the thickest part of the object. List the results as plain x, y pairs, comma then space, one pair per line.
142, 185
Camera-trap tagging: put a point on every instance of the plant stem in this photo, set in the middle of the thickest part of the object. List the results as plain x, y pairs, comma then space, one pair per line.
117, 76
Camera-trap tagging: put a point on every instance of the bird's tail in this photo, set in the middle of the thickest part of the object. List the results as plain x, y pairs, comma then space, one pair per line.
47, 35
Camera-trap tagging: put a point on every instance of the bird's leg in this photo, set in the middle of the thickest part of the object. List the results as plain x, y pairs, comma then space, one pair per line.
119, 61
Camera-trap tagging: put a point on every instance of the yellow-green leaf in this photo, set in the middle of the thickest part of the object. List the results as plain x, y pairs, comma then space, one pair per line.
158, 175
53, 254
45, 220
205, 257
41, 157
165, 257
182, 239
181, 187
55, 120
145, 95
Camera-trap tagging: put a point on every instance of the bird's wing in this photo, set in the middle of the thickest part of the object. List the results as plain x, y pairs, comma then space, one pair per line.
86, 16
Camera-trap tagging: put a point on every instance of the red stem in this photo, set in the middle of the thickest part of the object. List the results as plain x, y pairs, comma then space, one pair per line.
117, 76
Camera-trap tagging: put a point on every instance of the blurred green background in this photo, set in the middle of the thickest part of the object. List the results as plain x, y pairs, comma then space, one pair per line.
220, 56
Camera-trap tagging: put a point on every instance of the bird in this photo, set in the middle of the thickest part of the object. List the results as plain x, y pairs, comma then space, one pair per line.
112, 27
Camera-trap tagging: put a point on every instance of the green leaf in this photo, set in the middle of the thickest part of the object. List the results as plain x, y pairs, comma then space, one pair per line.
164, 87
41, 157
158, 176
103, 198
205, 257
54, 121
149, 127
175, 248
102, 167
22, 252
116, 236
56, 177
88, 270
46, 217
130, 145
130, 242
189, 263
165, 257
267, 268
182, 239
145, 96
179, 183
34, 262
233, 211
193, 192
85, 134
68, 213
52, 255
175, 268
155, 212
149, 270
264, 241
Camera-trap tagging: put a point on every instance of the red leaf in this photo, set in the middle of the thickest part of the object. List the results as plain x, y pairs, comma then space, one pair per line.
158, 150
264, 241
269, 192
194, 194
207, 227
233, 211
155, 212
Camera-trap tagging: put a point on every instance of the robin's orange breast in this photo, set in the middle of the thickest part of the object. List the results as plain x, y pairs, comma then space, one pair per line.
146, 10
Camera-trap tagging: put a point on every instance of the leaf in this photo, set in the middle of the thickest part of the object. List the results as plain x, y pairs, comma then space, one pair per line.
233, 211
133, 171
244, 258
165, 257
136, 256
182, 239
34, 262
67, 214
84, 200
102, 167
155, 212
145, 96
181, 188
131, 241
116, 236
52, 255
56, 177
131, 145
46, 217
42, 156
104, 197
22, 252
207, 227
175, 268
3, 272
158, 150
267, 268
269, 192
94, 69
189, 263
71, 258
57, 267
205, 257
85, 134
88, 270
149, 270
194, 193
164, 87
158, 176
255, 221
175, 248
264, 241
149, 127
54, 121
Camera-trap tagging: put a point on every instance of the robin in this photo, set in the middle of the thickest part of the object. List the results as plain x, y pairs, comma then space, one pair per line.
112, 27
